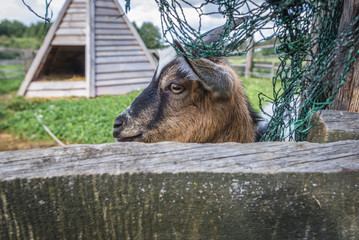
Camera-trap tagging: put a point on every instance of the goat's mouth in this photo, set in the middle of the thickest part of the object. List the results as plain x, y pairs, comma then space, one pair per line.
129, 139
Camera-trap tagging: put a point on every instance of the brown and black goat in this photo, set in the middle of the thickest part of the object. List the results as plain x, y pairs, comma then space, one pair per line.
189, 100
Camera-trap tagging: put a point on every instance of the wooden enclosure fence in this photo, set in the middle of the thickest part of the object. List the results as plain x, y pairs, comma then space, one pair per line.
253, 66
24, 61
267, 190
256, 66
273, 190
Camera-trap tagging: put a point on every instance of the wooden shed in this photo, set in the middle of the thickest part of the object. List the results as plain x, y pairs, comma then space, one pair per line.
92, 49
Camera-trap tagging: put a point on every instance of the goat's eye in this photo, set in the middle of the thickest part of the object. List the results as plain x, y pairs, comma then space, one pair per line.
175, 88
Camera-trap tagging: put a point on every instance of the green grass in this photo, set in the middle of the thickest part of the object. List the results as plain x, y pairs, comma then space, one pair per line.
20, 42
254, 86
11, 85
79, 120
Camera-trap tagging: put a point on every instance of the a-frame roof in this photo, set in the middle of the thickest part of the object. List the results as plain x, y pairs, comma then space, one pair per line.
116, 59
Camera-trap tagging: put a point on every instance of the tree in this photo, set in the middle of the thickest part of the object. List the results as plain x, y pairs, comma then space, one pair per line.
347, 98
12, 29
150, 35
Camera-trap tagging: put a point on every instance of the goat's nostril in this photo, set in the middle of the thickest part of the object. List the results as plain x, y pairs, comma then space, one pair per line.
118, 123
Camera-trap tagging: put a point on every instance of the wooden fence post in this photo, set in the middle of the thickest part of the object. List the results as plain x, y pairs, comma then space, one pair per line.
347, 98
249, 59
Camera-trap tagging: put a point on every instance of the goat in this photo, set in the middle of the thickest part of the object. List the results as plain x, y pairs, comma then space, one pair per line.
189, 100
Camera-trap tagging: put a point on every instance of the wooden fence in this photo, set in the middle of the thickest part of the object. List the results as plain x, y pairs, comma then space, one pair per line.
24, 61
253, 66
256, 66
271, 190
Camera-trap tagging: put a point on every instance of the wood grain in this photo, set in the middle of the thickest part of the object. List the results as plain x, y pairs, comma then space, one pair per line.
117, 158
334, 126
347, 98
274, 190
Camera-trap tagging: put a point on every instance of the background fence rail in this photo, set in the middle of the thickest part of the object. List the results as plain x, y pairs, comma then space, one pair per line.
15, 68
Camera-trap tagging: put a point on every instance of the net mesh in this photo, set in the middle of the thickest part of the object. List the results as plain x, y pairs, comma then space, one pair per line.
315, 57
310, 49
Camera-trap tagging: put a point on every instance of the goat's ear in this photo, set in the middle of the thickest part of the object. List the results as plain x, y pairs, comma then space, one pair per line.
213, 77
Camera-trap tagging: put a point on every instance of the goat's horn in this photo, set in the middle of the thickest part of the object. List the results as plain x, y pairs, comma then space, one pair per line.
215, 34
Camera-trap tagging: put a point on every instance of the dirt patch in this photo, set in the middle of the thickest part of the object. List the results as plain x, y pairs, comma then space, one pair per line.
9, 142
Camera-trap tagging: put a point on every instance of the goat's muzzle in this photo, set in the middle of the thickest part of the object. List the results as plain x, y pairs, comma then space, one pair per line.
118, 131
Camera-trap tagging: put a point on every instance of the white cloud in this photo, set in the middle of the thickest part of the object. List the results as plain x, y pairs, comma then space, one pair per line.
141, 11
16, 10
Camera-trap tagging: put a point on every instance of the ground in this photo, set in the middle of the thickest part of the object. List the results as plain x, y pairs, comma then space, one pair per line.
10, 142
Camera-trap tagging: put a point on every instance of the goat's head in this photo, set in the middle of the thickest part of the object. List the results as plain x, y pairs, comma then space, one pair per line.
188, 100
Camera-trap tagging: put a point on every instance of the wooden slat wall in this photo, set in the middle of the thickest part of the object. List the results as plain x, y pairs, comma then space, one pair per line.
56, 89
72, 29
116, 59
121, 63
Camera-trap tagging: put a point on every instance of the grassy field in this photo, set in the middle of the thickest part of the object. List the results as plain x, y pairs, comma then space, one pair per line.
77, 120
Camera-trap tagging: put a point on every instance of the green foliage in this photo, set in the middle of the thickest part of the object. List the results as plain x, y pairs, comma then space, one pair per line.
12, 28
78, 120
23, 42
254, 86
17, 35
150, 35
10, 85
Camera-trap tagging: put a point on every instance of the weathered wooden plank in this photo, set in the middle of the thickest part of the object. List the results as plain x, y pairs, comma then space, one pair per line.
137, 36
101, 11
108, 19
73, 24
11, 62
124, 75
121, 59
119, 53
269, 190
122, 82
77, 10
77, 5
71, 31
58, 93
334, 126
112, 31
90, 55
116, 158
75, 17
120, 89
56, 85
9, 49
106, 4
109, 68
63, 40
116, 43
110, 25
114, 37
118, 48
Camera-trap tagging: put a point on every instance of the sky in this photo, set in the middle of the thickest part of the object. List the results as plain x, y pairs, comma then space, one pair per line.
141, 11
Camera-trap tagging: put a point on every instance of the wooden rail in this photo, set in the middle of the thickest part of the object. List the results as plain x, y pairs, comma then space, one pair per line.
26, 57
273, 190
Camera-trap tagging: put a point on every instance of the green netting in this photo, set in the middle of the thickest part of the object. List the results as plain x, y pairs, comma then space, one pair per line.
312, 67
48, 12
